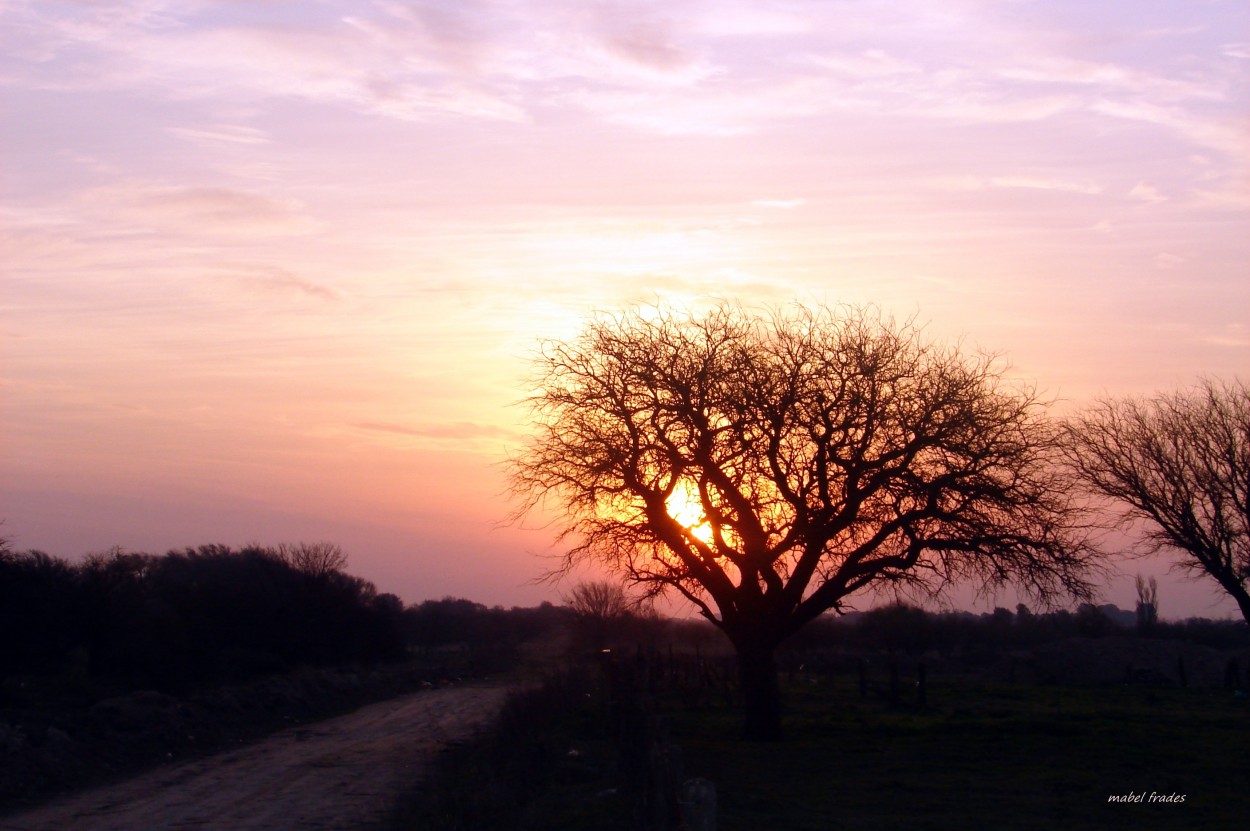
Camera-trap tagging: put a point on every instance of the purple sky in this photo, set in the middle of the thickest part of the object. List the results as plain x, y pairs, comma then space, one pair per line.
272, 270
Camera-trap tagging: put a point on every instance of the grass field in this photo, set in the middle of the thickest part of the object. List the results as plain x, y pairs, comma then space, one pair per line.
977, 756
984, 757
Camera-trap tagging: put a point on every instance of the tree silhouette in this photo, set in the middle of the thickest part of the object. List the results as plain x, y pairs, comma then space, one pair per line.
1147, 604
38, 598
598, 607
600, 600
317, 559
1178, 465
766, 467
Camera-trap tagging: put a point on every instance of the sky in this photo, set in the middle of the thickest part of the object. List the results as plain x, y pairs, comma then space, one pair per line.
275, 271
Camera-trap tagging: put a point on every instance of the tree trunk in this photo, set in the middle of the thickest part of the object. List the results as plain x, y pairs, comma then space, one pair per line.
1243, 600
761, 694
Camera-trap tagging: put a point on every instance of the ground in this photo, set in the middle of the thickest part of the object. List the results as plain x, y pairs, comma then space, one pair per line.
336, 774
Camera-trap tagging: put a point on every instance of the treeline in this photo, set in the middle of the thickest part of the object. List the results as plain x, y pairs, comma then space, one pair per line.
602, 618
905, 628
209, 615
455, 621
189, 618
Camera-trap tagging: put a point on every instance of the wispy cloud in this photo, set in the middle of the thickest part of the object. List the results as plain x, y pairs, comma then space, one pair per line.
779, 204
1146, 192
218, 52
1224, 135
692, 68
1043, 183
138, 207
1235, 335
270, 280
1165, 261
869, 64
1018, 181
222, 133
1109, 76
454, 431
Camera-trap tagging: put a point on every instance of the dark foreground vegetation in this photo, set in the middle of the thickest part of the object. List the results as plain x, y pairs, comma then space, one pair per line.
126, 660
187, 619
894, 718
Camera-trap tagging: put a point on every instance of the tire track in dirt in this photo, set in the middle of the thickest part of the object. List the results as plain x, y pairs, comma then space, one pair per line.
333, 775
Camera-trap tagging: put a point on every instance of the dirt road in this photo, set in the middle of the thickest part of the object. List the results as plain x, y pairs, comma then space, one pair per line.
334, 775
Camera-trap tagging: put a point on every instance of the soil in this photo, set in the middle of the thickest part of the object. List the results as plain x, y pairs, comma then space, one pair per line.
343, 773
60, 734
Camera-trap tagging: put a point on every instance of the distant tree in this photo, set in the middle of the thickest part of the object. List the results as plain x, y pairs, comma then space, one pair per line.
768, 467
314, 558
1002, 621
598, 600
1178, 465
114, 589
39, 601
445, 621
898, 626
389, 605
1092, 621
598, 607
1147, 604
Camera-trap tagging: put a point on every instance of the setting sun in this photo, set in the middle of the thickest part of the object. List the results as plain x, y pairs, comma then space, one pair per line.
683, 506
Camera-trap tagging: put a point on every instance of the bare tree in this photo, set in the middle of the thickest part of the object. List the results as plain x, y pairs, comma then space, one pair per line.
1147, 604
1178, 466
598, 600
314, 558
766, 467
598, 607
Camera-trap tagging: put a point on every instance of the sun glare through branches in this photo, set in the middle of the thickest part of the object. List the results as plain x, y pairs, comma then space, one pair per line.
686, 509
